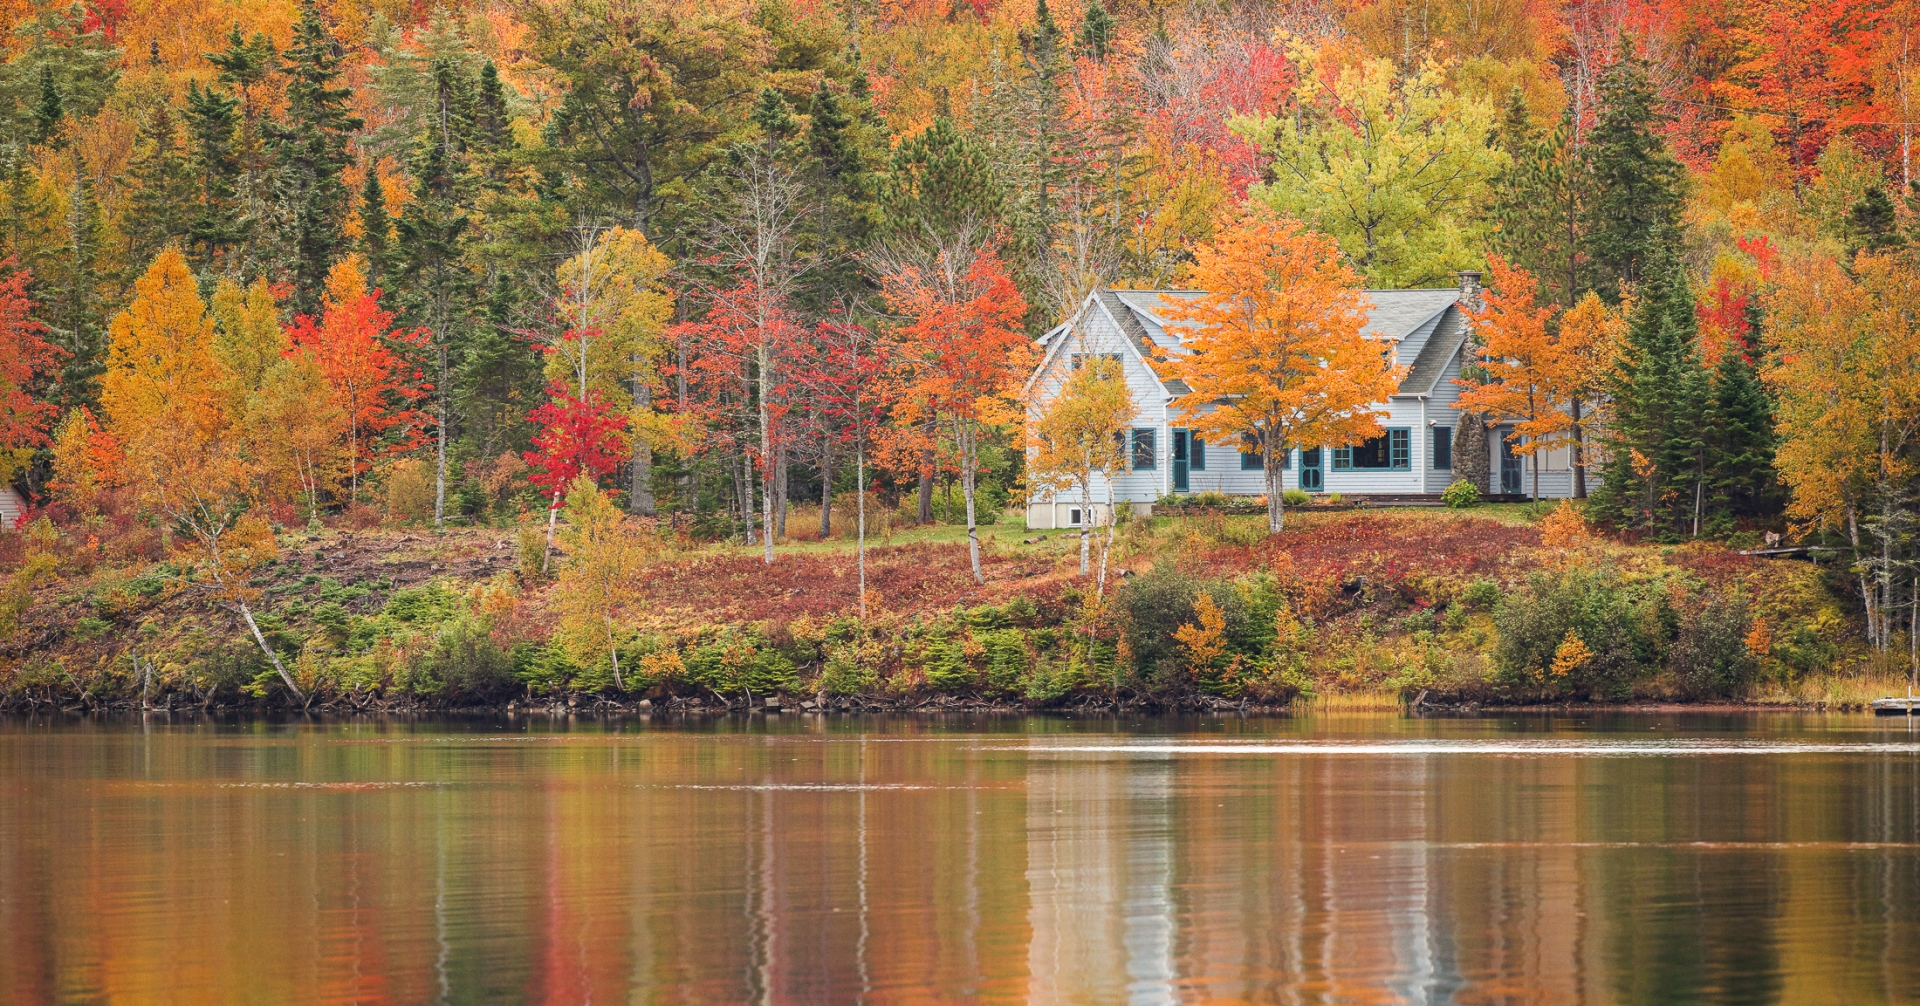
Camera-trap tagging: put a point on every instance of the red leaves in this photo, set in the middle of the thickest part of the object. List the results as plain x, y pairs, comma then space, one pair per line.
576, 437
24, 358
375, 386
964, 343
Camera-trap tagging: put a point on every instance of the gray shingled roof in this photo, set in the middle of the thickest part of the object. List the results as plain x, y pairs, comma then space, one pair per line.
1432, 361
1129, 323
1397, 312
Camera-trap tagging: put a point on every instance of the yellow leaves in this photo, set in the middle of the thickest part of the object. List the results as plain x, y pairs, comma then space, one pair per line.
1081, 433
161, 369
1276, 344
1569, 656
247, 340
1565, 528
616, 312
599, 585
1205, 643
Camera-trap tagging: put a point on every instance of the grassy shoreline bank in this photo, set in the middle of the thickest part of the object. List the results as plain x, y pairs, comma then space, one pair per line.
1499, 608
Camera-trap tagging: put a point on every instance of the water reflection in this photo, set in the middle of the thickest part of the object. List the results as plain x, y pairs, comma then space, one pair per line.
1357, 860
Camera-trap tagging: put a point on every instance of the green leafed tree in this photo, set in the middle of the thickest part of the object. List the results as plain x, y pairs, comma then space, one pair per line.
1394, 167
1636, 189
310, 156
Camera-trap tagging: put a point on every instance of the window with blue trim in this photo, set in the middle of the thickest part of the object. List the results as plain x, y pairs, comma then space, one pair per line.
1250, 460
1143, 450
1393, 452
1442, 447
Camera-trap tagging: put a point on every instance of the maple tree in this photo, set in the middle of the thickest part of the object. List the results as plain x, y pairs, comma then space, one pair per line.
577, 437
1530, 373
1276, 353
25, 360
961, 352
845, 374
597, 587
375, 387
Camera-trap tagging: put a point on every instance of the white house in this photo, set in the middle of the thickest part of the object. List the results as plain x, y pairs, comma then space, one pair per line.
1426, 329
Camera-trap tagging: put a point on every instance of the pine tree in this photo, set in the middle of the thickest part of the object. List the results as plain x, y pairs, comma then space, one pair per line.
164, 194
1740, 437
375, 227
1872, 225
1657, 465
310, 154
48, 112
72, 305
1536, 201
1096, 31
212, 122
1636, 187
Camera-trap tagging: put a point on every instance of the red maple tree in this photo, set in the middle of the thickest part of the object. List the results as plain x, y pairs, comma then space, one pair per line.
355, 346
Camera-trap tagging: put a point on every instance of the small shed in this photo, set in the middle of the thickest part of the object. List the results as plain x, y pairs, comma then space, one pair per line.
12, 506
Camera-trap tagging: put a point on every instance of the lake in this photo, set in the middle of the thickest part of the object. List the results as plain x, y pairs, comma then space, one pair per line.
1604, 858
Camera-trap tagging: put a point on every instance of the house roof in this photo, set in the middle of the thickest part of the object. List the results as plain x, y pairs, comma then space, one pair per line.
1395, 315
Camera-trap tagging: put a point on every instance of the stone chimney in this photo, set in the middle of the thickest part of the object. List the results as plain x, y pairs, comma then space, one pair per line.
1470, 288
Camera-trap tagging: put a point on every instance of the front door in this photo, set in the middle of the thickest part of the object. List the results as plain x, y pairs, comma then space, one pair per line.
1310, 470
1181, 460
1509, 466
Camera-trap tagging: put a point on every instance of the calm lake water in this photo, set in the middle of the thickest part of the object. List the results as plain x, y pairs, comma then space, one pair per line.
1352, 859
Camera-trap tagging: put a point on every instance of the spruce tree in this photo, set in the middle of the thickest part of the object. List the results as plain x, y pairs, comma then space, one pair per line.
71, 303
1656, 469
165, 197
1636, 189
49, 110
1872, 225
1740, 438
310, 154
375, 227
212, 122
1536, 201
1095, 36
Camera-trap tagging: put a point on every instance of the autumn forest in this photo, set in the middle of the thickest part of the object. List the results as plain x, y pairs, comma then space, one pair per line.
366, 351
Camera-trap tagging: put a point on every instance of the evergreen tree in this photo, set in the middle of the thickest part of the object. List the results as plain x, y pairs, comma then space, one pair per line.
1536, 201
1636, 187
1096, 31
1871, 224
375, 227
939, 188
212, 121
1740, 438
840, 191
48, 112
164, 200
71, 302
1657, 465
310, 154
431, 270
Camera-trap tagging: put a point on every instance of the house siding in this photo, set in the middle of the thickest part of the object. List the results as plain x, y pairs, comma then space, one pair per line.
1418, 410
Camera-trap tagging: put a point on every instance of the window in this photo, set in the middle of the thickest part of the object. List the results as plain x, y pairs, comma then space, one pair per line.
1443, 447
1079, 358
1143, 450
1196, 453
1391, 452
1250, 460
1073, 517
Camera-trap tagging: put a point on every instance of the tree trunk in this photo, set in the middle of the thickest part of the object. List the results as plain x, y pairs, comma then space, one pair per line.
964, 433
1086, 526
553, 516
440, 450
925, 515
1113, 513
1579, 454
860, 518
1276, 491
780, 474
613, 651
826, 487
640, 486
247, 614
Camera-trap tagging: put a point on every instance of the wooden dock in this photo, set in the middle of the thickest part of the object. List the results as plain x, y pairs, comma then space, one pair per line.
1909, 706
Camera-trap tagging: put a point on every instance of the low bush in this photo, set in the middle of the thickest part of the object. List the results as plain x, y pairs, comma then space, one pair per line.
1581, 632
1461, 495
1295, 497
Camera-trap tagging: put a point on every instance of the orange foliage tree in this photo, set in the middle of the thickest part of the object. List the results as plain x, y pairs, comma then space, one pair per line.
1277, 357
1533, 374
375, 387
185, 457
24, 358
962, 351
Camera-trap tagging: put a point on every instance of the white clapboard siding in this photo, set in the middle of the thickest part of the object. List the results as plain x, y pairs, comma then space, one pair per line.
11, 507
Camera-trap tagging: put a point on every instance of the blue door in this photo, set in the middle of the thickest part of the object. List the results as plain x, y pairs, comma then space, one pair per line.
1310, 470
1182, 460
1509, 466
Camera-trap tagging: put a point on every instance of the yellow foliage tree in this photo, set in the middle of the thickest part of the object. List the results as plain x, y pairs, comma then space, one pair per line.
598, 586
1081, 438
1277, 356
184, 459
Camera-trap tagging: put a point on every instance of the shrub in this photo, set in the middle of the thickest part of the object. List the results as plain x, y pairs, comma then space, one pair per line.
1295, 497
1461, 495
409, 492
738, 660
465, 663
1211, 497
1482, 595
1579, 631
851, 668
1710, 655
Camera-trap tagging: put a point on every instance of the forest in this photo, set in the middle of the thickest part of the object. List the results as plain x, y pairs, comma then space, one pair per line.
616, 328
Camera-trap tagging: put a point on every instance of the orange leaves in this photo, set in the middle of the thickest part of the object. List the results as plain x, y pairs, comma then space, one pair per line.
374, 387
161, 369
1276, 343
1528, 370
963, 345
